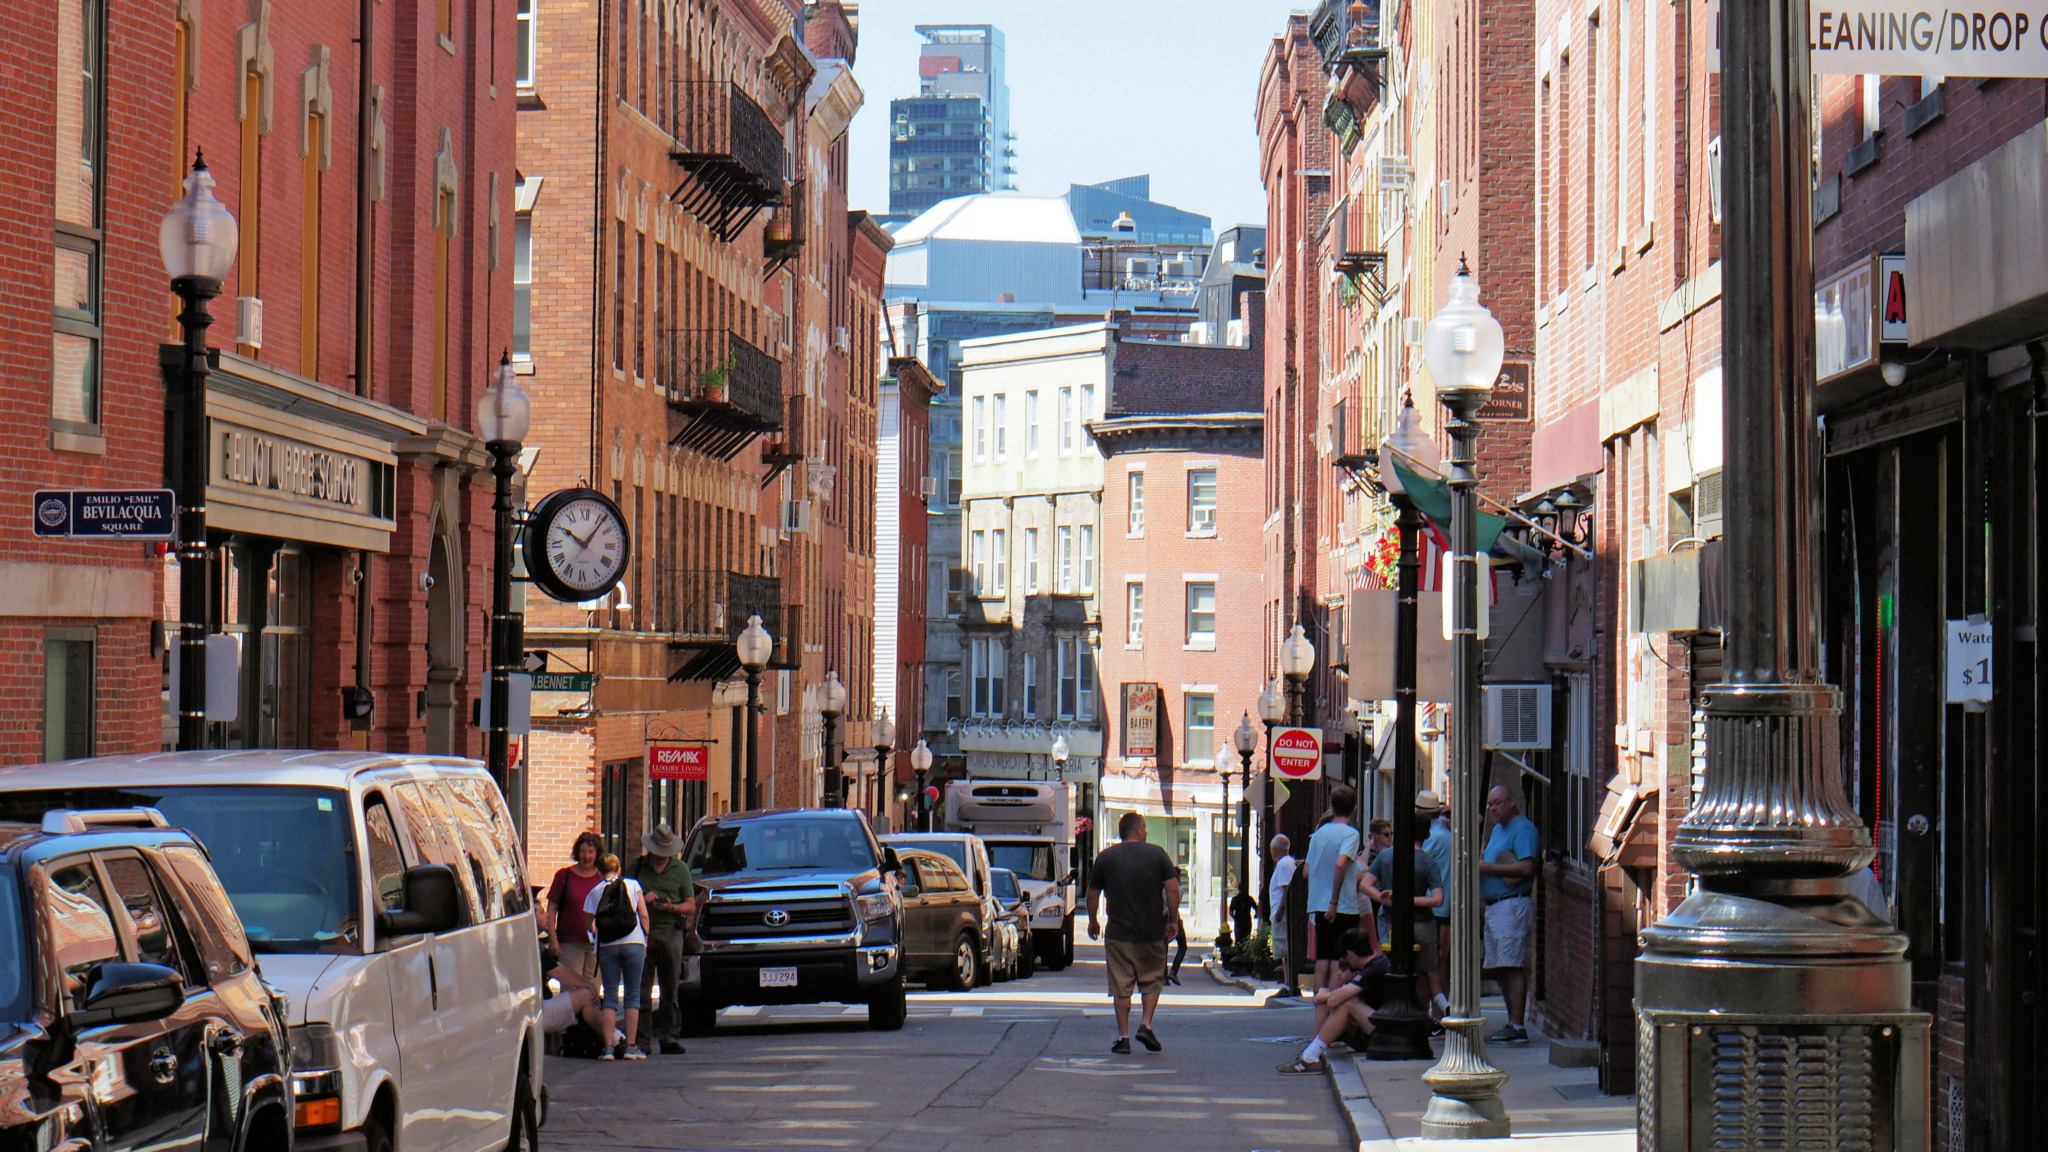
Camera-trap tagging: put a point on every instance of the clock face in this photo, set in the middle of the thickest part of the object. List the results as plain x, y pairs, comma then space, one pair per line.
582, 543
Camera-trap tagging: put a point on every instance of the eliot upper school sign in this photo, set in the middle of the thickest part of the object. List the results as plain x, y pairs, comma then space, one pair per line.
1858, 37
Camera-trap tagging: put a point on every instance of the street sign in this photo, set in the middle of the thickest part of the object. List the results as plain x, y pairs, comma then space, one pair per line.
1888, 38
1298, 753
671, 761
562, 681
536, 662
1969, 661
106, 514
1891, 300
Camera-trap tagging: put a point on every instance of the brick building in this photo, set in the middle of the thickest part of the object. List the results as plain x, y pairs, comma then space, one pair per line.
1181, 445
369, 170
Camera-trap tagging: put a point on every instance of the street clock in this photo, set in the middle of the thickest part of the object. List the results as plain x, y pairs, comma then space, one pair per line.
577, 545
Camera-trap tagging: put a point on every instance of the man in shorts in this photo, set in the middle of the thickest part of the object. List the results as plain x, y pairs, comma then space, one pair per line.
1350, 1002
1429, 895
1333, 862
1507, 880
1144, 908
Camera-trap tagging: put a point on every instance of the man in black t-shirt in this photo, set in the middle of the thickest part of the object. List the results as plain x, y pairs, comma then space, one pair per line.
1144, 914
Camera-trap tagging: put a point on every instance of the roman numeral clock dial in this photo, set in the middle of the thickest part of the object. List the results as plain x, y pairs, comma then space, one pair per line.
577, 545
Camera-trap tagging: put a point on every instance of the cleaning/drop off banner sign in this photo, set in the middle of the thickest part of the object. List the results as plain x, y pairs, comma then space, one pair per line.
1893, 39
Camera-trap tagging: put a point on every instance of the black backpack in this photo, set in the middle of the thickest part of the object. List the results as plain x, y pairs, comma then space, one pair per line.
615, 917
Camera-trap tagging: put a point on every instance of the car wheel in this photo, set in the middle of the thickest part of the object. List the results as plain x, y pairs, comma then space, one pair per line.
376, 1137
888, 1008
965, 971
1067, 942
1027, 961
525, 1114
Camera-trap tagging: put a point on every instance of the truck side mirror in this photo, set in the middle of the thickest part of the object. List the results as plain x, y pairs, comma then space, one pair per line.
889, 861
1069, 878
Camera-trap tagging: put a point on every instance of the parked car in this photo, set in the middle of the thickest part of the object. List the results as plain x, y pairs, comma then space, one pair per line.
943, 923
384, 896
131, 1011
1016, 913
970, 855
799, 906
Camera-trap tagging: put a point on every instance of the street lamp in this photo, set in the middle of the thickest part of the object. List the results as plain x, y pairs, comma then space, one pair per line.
834, 707
1273, 713
1403, 1032
1771, 972
1246, 741
1297, 661
1059, 756
1463, 347
504, 414
885, 739
198, 241
921, 763
754, 646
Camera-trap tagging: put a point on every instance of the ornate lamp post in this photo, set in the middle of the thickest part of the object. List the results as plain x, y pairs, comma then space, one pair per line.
504, 414
834, 707
1463, 346
198, 242
1404, 1023
1246, 741
921, 763
1770, 968
1297, 663
1273, 713
885, 739
754, 647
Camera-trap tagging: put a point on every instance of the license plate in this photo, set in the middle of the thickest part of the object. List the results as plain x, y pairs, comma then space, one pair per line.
778, 977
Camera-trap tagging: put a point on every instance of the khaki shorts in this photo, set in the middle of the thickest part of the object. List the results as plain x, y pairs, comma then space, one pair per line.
1508, 923
578, 958
1135, 964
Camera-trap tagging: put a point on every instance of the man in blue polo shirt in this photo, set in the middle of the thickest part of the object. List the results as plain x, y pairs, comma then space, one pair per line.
1507, 878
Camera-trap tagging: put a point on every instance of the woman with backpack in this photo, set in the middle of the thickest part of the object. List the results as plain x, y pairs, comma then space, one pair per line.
618, 927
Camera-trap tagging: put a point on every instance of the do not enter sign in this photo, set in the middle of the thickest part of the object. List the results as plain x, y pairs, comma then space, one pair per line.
1298, 753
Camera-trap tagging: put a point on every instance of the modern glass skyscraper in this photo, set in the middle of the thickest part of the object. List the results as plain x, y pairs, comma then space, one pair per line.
953, 138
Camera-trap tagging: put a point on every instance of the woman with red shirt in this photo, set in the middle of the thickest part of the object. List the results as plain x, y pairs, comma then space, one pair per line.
567, 924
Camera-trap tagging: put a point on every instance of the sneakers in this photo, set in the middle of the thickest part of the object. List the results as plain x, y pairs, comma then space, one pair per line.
671, 1048
1172, 978
1146, 1038
1122, 1047
1509, 1034
1300, 1067
635, 1054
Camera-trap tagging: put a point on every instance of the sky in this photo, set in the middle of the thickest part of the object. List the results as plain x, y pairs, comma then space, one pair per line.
1098, 89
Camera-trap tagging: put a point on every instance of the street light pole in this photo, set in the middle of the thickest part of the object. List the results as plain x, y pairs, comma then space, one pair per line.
503, 417
885, 738
1463, 346
1272, 712
198, 242
834, 707
1298, 662
754, 646
1771, 961
921, 763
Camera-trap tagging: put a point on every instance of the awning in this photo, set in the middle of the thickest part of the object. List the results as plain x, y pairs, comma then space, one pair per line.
1432, 497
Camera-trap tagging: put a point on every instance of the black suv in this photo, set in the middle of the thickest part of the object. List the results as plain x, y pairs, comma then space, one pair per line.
131, 1012
798, 906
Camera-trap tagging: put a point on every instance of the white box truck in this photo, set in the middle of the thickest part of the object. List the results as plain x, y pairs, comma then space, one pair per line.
1028, 826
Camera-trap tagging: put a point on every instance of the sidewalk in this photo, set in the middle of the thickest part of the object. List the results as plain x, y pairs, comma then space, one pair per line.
1551, 1109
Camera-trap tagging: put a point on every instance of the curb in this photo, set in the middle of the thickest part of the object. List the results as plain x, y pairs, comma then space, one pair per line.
1369, 1131
1255, 987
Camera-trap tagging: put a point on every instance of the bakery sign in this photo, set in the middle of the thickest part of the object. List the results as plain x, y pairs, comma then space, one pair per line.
1141, 720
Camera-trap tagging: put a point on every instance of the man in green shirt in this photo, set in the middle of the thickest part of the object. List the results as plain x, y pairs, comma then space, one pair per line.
671, 903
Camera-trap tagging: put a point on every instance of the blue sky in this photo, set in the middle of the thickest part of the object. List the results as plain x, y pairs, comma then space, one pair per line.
1098, 89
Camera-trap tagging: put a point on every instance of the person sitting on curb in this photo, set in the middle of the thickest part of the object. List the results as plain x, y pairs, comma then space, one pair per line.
1346, 1004
576, 1001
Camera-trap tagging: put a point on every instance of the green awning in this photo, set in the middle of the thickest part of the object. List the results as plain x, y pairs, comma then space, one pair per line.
1432, 497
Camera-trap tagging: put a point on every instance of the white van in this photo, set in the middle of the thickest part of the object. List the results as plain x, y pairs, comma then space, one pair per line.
385, 896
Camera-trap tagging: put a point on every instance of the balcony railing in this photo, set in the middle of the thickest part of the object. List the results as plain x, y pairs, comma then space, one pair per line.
732, 150
722, 390
713, 605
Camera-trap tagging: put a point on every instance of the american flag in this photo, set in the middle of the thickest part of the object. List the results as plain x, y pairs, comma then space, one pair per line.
1436, 566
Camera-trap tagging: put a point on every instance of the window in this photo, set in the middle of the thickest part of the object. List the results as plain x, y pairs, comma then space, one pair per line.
1134, 607
988, 658
82, 926
1872, 104
67, 693
1002, 413
955, 706
522, 286
1201, 502
75, 302
978, 421
1202, 614
1066, 420
1087, 403
956, 591
1031, 423
528, 45
1199, 745
149, 917
1136, 484
1030, 685
1084, 662
387, 862
999, 558
1066, 559
1088, 558
978, 549
1070, 681
1031, 561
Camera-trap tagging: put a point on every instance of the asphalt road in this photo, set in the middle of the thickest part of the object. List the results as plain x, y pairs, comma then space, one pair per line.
1023, 1065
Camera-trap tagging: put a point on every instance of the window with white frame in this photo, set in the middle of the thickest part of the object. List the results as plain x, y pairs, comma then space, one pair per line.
1134, 609
522, 284
1198, 745
1201, 502
1066, 420
528, 45
999, 560
988, 658
956, 591
1002, 419
977, 548
1031, 561
956, 705
953, 478
1202, 613
1135, 485
1030, 685
1066, 558
1084, 661
1068, 648
1088, 558
1031, 422
978, 426
1087, 403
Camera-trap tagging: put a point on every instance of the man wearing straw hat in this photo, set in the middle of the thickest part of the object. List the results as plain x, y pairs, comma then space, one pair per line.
671, 901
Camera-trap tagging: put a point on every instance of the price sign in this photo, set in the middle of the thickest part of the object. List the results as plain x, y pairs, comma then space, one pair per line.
1969, 661
1298, 753
678, 761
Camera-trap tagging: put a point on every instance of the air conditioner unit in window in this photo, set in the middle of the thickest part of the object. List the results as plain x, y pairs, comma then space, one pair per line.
1516, 716
249, 321
796, 517
1411, 330
928, 486
1706, 505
